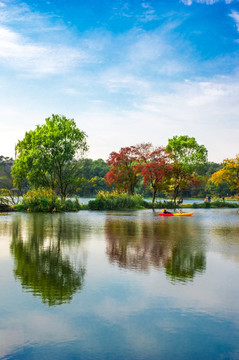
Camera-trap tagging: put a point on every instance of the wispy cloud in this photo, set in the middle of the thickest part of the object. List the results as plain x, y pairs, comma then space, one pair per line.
114, 80
122, 71
204, 109
39, 44
145, 12
235, 16
39, 59
149, 13
208, 2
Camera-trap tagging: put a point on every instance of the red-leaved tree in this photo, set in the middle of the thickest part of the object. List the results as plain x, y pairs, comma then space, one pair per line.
125, 169
156, 167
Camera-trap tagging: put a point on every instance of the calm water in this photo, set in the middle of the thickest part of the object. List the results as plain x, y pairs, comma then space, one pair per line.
119, 285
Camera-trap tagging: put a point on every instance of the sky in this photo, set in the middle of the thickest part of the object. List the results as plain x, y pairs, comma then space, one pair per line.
127, 72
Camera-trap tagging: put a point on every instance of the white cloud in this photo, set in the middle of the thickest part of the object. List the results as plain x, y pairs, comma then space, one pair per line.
206, 110
235, 16
207, 2
116, 80
149, 13
38, 59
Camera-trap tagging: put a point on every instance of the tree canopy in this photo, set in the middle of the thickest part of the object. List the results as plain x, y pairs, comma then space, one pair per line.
124, 169
187, 156
187, 152
156, 167
229, 174
46, 156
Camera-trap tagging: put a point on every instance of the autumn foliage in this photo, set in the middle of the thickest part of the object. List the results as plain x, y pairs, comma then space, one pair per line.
171, 169
229, 173
157, 170
134, 162
125, 169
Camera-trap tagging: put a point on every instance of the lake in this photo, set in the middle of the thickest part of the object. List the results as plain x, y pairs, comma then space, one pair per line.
119, 285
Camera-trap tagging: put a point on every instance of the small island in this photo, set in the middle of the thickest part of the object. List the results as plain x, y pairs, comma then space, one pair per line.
50, 173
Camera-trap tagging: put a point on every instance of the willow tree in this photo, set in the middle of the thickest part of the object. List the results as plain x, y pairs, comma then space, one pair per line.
46, 157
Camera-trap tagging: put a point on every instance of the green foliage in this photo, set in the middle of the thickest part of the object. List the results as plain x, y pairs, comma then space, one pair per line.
165, 204
212, 205
5, 172
209, 168
91, 168
46, 200
46, 156
40, 200
187, 152
91, 179
89, 188
69, 205
116, 201
188, 158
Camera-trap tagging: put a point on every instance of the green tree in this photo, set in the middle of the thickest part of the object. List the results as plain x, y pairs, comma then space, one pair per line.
5, 172
92, 179
46, 157
188, 158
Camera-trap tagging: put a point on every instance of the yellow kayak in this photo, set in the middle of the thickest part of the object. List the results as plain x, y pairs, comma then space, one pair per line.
183, 214
176, 214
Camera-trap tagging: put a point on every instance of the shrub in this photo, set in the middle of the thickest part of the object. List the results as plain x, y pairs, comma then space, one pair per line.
222, 204
71, 205
46, 200
212, 205
116, 201
40, 200
166, 204
207, 204
195, 205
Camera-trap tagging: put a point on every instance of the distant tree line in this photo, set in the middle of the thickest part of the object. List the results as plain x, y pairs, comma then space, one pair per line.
52, 157
92, 180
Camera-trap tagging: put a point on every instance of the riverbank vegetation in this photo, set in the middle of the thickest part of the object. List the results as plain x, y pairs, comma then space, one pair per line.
50, 170
46, 200
117, 201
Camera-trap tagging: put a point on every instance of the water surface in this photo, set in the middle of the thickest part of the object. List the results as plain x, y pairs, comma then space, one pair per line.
119, 285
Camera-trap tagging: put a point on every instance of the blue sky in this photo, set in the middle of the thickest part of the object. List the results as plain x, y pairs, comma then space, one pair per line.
126, 71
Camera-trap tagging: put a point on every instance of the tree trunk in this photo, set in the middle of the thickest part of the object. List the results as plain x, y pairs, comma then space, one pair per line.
175, 195
154, 195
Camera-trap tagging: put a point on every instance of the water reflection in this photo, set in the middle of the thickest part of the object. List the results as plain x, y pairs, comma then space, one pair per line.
183, 265
226, 239
141, 245
39, 260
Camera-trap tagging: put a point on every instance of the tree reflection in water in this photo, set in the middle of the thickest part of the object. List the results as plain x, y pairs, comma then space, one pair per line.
39, 262
141, 245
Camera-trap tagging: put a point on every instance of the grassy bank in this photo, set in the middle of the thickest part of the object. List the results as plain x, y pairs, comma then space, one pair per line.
217, 204
46, 200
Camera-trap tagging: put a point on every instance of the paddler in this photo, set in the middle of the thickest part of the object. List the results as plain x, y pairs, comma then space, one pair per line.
166, 212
